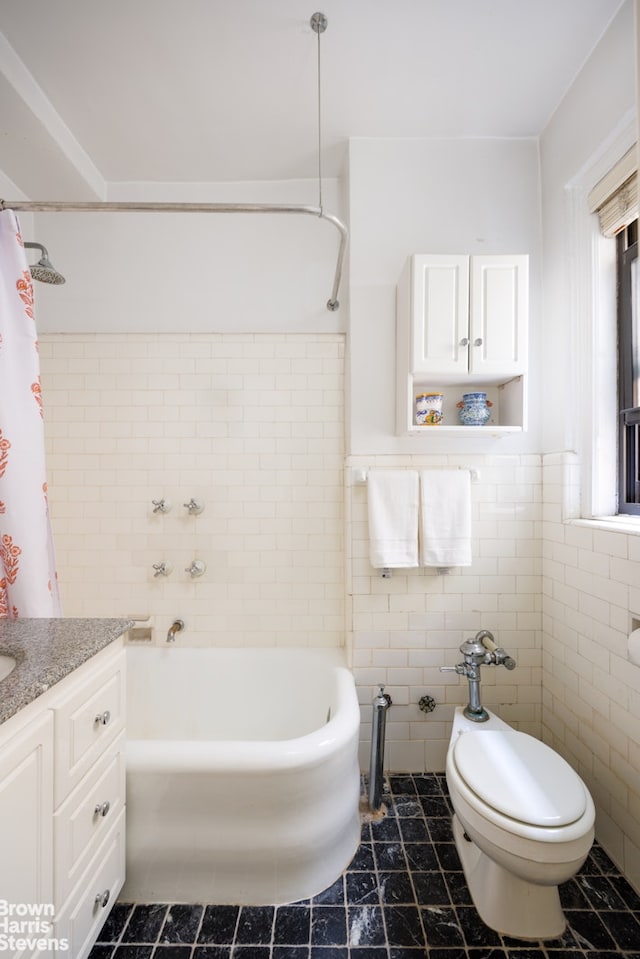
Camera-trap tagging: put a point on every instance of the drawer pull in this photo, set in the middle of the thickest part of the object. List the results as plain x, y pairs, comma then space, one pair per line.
103, 719
102, 899
102, 808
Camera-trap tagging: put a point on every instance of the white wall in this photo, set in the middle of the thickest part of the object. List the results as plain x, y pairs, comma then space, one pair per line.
431, 196
591, 708
250, 424
164, 272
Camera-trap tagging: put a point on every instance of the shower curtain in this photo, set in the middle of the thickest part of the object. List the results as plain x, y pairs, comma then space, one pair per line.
28, 582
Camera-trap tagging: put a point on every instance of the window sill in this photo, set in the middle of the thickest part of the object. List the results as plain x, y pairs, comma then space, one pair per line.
617, 524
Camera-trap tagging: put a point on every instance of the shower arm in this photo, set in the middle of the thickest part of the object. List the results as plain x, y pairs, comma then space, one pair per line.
53, 206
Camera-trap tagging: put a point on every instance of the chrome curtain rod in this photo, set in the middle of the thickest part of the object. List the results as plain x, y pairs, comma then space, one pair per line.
54, 206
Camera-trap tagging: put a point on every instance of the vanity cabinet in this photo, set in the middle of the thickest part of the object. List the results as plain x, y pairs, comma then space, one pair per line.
461, 326
26, 812
62, 802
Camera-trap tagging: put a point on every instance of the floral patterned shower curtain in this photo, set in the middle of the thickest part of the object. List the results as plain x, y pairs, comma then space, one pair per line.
28, 582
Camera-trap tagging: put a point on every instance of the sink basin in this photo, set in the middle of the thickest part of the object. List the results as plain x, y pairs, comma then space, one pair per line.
7, 664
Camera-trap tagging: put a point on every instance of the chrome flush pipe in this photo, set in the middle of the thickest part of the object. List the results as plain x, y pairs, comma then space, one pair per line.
380, 705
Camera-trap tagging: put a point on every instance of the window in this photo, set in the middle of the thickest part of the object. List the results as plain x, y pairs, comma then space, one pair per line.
628, 371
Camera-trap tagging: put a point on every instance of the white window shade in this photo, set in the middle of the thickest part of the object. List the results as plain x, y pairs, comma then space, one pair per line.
615, 197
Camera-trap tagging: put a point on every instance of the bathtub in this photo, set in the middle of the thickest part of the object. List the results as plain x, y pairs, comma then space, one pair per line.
242, 774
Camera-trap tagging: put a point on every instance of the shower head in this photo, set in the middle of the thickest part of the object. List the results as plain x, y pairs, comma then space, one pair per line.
44, 270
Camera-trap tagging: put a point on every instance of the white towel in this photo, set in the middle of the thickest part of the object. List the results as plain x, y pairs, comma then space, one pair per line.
445, 518
393, 518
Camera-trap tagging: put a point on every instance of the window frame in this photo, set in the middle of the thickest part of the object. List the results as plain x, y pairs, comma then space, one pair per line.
628, 349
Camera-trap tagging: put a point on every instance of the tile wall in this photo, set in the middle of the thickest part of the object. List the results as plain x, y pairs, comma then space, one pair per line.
406, 627
591, 698
251, 424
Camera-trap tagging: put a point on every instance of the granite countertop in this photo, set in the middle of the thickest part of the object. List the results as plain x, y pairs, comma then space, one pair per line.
47, 650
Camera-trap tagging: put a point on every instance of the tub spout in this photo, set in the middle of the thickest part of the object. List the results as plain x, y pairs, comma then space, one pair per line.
176, 627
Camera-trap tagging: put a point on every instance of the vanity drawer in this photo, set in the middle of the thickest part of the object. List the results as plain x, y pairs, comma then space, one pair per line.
86, 816
95, 894
87, 720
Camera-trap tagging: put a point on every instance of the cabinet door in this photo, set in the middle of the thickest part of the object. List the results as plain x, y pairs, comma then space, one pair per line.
498, 315
26, 811
439, 315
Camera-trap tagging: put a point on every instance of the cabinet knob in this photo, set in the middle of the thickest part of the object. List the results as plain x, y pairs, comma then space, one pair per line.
102, 899
103, 719
464, 341
478, 341
102, 808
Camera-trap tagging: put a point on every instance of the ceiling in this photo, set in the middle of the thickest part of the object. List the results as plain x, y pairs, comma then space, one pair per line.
92, 94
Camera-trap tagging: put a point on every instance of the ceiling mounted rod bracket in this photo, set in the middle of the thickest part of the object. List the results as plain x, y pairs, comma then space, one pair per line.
318, 23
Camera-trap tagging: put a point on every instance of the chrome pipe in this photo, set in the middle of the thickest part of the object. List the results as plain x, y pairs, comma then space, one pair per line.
117, 206
380, 706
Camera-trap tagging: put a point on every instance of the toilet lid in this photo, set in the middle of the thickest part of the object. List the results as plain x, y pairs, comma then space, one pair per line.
520, 777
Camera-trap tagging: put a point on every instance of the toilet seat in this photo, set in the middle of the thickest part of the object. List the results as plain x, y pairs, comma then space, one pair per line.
520, 777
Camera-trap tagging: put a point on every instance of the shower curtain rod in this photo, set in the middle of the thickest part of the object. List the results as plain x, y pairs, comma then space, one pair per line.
54, 206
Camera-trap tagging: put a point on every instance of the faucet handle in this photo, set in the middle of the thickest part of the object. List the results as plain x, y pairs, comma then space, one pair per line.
162, 569
197, 568
161, 505
194, 506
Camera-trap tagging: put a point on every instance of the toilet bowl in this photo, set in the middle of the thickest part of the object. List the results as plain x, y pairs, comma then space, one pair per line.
523, 823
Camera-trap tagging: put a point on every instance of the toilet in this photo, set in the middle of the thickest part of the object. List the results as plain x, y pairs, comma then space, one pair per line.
523, 823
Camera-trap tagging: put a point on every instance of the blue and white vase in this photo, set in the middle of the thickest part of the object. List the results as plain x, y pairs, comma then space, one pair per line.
474, 409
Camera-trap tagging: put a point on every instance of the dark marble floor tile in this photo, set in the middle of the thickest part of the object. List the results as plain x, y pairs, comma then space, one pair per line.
219, 925
572, 895
251, 952
474, 930
255, 925
408, 807
406, 952
366, 927
370, 952
441, 926
525, 953
402, 785
427, 785
599, 856
361, 888
133, 952
387, 830
363, 859
292, 925
333, 895
435, 807
414, 830
624, 928
389, 855
421, 856
115, 922
600, 893
333, 952
101, 951
145, 923
440, 830
181, 924
447, 953
403, 926
430, 889
329, 926
487, 953
395, 887
212, 952
626, 892
588, 929
290, 952
458, 889
448, 856
172, 952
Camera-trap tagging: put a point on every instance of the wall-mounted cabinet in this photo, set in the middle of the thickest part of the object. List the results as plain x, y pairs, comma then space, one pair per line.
461, 327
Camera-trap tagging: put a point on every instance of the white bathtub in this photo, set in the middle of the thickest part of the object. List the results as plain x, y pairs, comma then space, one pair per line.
242, 774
